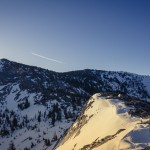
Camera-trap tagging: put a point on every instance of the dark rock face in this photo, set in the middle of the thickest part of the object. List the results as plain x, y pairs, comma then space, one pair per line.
77, 85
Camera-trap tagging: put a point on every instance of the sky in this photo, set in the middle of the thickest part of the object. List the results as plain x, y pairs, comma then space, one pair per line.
65, 35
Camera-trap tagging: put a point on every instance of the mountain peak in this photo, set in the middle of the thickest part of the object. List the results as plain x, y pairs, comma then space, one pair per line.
105, 123
4, 59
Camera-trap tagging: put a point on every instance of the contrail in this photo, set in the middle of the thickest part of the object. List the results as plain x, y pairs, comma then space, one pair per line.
54, 60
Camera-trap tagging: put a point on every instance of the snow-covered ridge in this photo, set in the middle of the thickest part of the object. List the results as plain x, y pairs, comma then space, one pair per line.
106, 124
83, 82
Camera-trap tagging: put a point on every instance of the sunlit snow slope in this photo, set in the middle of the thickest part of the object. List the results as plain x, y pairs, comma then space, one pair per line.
105, 124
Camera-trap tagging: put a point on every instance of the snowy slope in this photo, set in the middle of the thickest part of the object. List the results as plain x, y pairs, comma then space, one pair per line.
30, 134
105, 124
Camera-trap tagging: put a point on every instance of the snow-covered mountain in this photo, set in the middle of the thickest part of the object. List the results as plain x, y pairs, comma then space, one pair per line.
37, 106
106, 124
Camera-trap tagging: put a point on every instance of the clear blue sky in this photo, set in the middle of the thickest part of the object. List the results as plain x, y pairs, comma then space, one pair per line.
95, 34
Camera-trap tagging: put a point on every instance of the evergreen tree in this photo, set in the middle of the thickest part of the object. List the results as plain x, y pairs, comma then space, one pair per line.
44, 114
59, 115
7, 119
47, 142
39, 117
55, 137
32, 145
12, 113
66, 114
4, 131
49, 114
26, 104
11, 146
14, 122
26, 119
53, 118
